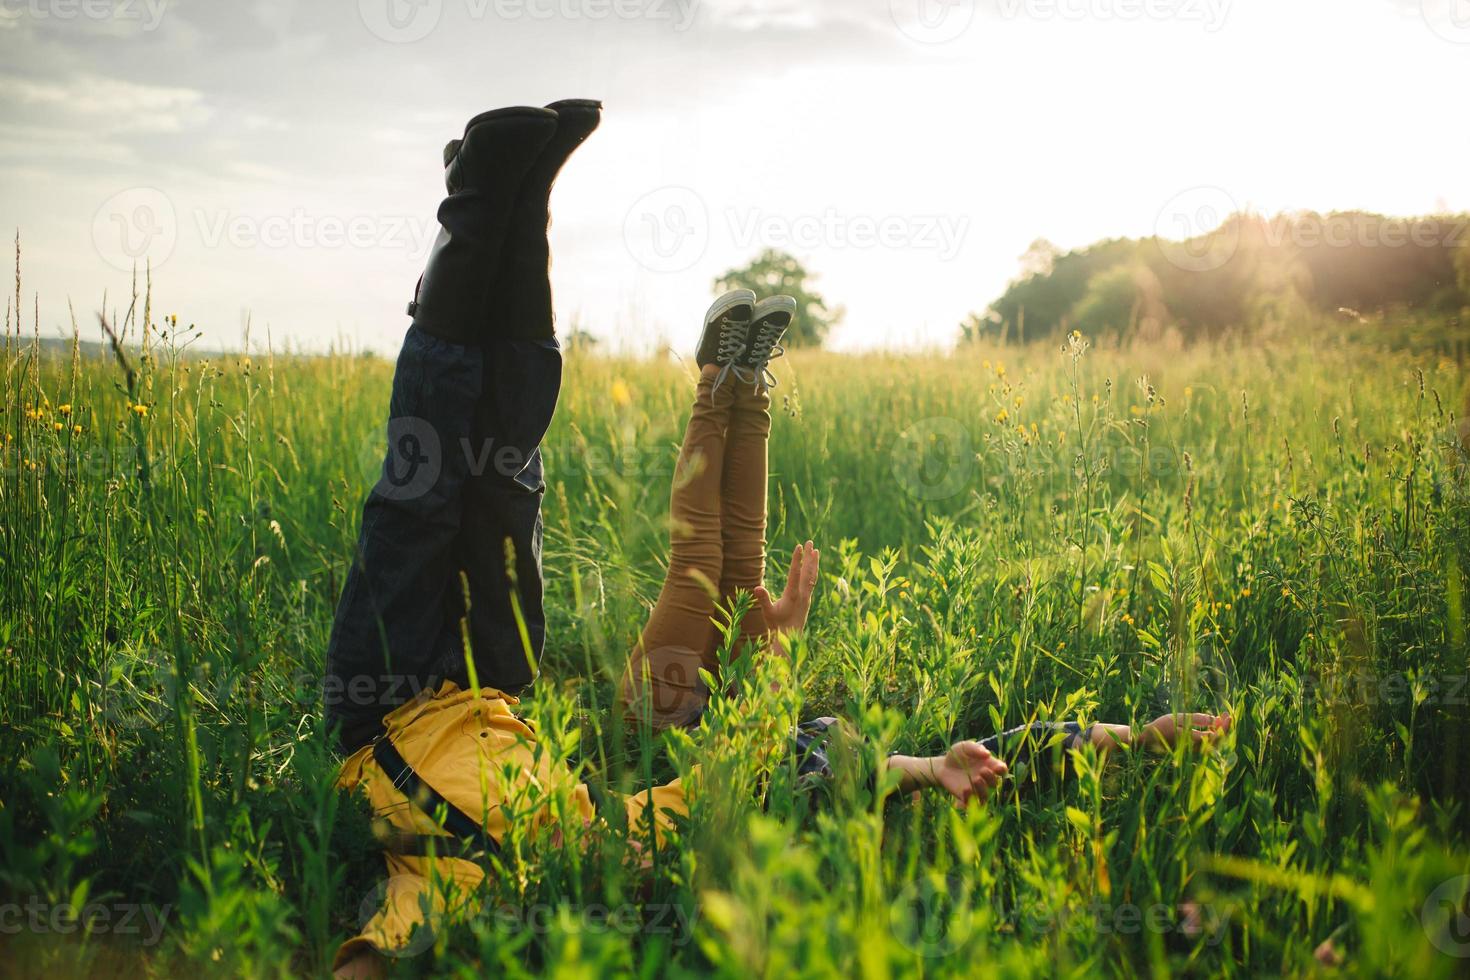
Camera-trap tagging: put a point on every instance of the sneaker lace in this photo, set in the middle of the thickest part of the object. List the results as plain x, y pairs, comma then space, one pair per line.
766, 350
729, 351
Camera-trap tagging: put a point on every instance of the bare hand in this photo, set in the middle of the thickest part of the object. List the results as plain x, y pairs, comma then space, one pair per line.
788, 613
968, 771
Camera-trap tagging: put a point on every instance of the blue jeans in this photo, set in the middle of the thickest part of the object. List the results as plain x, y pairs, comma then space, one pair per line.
460, 491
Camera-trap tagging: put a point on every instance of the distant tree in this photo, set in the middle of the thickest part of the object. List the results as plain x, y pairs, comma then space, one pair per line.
1039, 258
774, 272
580, 340
976, 326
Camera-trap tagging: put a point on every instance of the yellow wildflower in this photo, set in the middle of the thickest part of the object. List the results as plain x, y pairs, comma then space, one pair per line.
621, 396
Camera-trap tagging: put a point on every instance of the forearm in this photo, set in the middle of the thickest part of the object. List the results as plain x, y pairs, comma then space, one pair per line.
1105, 736
915, 772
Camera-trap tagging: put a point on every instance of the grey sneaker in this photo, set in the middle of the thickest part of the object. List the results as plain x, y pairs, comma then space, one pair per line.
726, 333
768, 324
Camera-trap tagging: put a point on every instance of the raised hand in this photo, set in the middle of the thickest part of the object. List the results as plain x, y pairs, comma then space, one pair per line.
788, 613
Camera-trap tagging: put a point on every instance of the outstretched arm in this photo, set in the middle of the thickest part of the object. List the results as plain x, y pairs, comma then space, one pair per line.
970, 770
1163, 732
967, 771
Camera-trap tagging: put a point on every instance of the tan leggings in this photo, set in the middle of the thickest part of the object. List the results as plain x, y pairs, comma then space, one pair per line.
717, 537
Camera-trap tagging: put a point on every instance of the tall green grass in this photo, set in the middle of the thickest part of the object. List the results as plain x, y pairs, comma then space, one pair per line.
1011, 534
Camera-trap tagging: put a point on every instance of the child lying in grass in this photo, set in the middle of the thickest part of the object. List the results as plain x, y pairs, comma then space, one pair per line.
449, 767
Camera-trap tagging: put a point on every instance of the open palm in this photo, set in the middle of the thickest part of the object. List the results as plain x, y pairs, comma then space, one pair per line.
788, 613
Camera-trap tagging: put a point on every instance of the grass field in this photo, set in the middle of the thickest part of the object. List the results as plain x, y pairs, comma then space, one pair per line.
1010, 534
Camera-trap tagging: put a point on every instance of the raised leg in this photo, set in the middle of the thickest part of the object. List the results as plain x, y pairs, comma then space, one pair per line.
502, 519
393, 627
397, 624
743, 495
661, 682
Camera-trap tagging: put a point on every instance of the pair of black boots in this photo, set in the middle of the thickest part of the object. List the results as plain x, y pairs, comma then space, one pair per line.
488, 273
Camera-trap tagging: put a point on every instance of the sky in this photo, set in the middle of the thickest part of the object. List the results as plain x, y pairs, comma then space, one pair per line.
278, 162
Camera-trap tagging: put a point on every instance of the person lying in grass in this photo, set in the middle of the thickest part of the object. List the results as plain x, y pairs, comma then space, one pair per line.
454, 768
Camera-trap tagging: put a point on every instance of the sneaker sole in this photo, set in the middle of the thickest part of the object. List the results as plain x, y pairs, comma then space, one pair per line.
773, 306
732, 300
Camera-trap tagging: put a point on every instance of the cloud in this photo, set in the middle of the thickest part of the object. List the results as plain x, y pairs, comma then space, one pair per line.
109, 104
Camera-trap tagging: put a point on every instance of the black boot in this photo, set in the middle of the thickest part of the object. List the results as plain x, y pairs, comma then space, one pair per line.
523, 291
485, 176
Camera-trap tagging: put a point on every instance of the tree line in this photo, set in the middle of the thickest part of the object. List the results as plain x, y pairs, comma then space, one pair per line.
1250, 273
